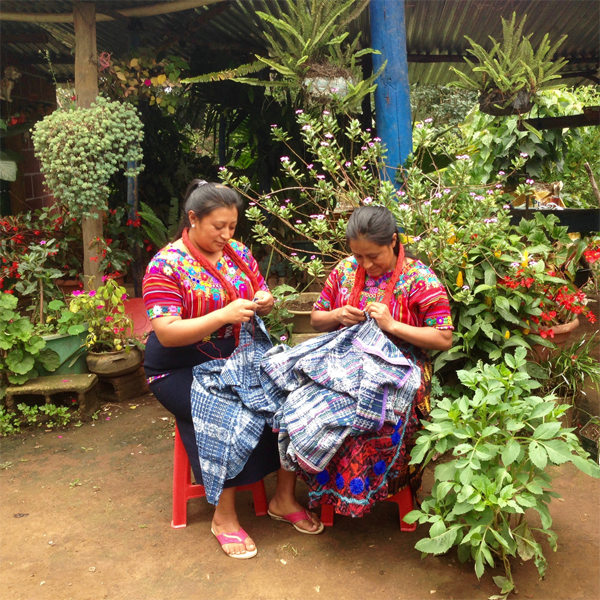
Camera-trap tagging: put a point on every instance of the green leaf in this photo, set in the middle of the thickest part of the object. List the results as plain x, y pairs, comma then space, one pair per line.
445, 471
546, 431
544, 513
589, 467
438, 544
504, 584
412, 516
511, 452
538, 455
466, 475
49, 359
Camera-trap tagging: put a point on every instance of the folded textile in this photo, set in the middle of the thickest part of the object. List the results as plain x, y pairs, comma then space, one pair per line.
343, 383
229, 409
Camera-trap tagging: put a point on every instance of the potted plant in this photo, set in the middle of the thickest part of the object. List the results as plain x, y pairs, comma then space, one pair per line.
509, 75
590, 435
309, 55
500, 438
113, 350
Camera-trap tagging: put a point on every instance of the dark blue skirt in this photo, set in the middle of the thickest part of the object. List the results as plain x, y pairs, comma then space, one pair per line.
173, 392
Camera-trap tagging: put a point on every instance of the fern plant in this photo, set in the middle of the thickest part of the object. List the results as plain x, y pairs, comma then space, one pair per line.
156, 231
511, 72
308, 40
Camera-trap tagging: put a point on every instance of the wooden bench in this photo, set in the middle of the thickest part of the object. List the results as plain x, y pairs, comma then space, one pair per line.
82, 385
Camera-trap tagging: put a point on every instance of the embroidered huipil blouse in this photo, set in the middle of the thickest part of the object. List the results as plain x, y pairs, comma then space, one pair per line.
419, 298
175, 284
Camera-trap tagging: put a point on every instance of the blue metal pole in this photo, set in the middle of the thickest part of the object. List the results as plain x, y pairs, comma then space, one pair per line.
392, 96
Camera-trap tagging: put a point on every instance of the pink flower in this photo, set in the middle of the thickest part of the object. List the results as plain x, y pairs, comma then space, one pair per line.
108, 319
42, 242
419, 125
251, 203
100, 306
286, 201
368, 200
309, 166
328, 135
283, 338
299, 111
104, 278
324, 143
306, 127
124, 297
147, 82
321, 177
524, 155
92, 293
401, 193
285, 159
77, 293
428, 120
347, 164
377, 139
60, 436
274, 126
313, 257
325, 112
501, 173
294, 254
298, 221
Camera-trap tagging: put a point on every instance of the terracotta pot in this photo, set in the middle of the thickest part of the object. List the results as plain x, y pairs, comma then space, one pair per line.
562, 333
301, 318
68, 286
115, 364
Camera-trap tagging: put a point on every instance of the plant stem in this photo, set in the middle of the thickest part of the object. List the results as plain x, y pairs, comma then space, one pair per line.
41, 303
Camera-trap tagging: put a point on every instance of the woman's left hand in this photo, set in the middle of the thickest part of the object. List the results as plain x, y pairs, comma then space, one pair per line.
265, 302
381, 313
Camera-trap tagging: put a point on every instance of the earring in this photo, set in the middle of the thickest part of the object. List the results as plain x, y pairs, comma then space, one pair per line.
193, 224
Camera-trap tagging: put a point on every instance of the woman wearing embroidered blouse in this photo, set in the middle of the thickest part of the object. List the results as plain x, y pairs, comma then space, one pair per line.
411, 306
198, 290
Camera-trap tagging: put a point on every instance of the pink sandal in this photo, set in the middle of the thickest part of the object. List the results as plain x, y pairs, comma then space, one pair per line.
293, 518
235, 538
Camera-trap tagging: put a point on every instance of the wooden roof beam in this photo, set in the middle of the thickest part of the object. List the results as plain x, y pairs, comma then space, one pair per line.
150, 10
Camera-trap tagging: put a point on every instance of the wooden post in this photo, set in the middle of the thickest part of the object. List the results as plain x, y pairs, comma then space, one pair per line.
392, 96
86, 90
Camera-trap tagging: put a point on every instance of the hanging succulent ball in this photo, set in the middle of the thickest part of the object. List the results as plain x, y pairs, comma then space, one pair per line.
79, 150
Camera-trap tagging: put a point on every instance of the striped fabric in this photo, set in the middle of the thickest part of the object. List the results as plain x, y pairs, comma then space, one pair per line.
229, 409
344, 383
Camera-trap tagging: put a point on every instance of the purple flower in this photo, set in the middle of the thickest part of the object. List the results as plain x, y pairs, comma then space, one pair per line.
419, 125
251, 203
298, 221
325, 112
506, 206
348, 164
324, 143
498, 185
427, 202
221, 168
321, 177
368, 129
435, 230
524, 155
299, 111
403, 206
479, 198
371, 144
92, 293
309, 166
428, 120
287, 200
328, 135
463, 157
438, 195
401, 193
283, 338
472, 194
364, 168
489, 192
417, 238
313, 257
282, 207
42, 242
294, 254
364, 148
274, 126
494, 220
285, 159
530, 181
377, 139
436, 210
368, 200
306, 127
446, 191
501, 173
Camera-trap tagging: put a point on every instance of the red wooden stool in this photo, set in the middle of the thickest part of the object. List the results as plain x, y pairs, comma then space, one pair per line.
183, 489
403, 499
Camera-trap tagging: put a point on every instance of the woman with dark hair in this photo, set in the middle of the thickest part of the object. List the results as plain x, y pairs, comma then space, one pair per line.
198, 290
410, 305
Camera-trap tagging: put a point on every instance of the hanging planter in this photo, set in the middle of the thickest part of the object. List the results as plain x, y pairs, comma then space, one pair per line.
324, 80
499, 104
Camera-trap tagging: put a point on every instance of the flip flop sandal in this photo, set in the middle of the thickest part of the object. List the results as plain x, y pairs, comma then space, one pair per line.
235, 538
293, 518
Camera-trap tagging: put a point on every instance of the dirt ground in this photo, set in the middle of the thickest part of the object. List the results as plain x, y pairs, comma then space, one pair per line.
85, 514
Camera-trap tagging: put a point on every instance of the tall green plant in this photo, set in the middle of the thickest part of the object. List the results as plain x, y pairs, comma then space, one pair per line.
502, 437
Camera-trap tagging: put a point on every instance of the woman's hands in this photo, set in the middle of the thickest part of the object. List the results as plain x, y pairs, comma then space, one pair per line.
264, 303
239, 311
349, 315
381, 313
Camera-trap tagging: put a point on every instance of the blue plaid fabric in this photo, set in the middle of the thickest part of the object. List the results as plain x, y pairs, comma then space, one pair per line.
347, 382
229, 409
342, 383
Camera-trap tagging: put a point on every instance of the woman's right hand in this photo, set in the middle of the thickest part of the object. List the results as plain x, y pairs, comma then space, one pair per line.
349, 315
239, 311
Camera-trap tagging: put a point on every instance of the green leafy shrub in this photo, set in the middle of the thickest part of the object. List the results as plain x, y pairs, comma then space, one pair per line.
20, 347
277, 321
501, 438
80, 149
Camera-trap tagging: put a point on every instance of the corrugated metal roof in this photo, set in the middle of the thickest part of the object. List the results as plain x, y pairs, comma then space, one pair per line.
434, 28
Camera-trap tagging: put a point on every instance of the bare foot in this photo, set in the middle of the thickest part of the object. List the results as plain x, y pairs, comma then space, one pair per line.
284, 506
230, 526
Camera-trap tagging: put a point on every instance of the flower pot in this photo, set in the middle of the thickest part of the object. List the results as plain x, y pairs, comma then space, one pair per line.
562, 334
115, 364
495, 103
323, 87
301, 308
68, 286
589, 435
71, 350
